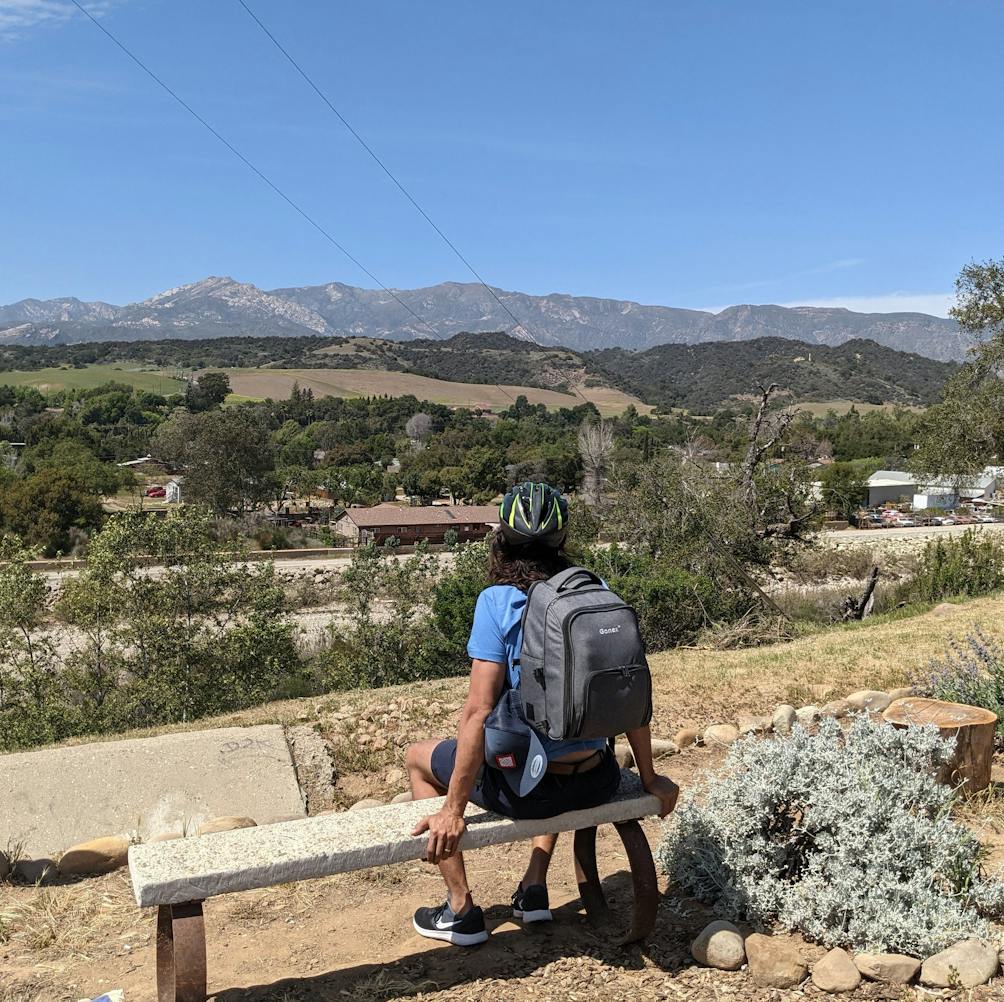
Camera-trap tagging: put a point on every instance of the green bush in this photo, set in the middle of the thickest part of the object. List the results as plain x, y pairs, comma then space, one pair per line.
672, 604
272, 539
389, 635
33, 704
453, 599
205, 635
971, 564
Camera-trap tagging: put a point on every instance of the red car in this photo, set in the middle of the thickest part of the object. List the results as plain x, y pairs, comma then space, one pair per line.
156, 492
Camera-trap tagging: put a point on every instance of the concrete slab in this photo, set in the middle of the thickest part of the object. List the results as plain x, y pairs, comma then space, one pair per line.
57, 797
194, 869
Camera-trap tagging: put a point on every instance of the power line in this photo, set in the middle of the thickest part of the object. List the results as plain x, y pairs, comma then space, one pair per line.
260, 174
247, 163
404, 191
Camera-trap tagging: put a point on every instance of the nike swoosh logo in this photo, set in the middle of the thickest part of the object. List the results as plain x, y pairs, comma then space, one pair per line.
440, 924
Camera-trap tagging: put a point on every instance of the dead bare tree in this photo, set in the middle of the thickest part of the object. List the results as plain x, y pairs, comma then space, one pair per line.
861, 607
418, 427
780, 511
596, 443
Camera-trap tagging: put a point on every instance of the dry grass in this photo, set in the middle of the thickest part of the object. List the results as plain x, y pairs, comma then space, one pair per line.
701, 685
256, 384
389, 984
819, 408
52, 923
35, 991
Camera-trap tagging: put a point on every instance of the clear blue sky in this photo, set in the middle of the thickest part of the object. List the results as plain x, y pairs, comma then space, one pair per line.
693, 153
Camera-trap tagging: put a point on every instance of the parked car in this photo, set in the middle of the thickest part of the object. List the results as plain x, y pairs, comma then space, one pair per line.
156, 492
906, 523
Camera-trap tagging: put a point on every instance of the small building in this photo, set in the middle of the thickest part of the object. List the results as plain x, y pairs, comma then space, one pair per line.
890, 485
10, 453
409, 525
173, 491
949, 492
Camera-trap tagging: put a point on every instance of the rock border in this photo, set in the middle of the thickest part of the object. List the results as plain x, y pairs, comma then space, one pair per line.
778, 962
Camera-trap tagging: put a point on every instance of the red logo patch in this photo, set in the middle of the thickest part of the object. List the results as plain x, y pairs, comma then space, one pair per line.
507, 761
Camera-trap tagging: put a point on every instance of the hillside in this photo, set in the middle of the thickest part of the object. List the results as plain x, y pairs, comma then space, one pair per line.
695, 377
219, 307
700, 377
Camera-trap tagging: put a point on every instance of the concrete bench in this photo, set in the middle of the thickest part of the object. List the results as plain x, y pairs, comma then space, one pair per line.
178, 876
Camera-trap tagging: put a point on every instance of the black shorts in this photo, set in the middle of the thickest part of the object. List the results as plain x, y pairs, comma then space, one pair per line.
553, 795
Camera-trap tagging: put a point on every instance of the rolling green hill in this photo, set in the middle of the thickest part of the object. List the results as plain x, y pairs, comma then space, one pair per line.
699, 378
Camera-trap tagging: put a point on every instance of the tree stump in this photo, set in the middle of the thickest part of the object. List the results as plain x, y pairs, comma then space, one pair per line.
971, 726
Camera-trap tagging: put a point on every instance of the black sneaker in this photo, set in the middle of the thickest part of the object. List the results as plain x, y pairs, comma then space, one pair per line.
530, 905
441, 923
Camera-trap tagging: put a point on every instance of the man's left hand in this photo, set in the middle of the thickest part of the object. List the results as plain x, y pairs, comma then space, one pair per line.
445, 830
666, 790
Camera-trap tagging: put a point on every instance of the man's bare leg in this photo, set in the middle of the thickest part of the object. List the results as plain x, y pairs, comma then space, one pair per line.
540, 860
418, 762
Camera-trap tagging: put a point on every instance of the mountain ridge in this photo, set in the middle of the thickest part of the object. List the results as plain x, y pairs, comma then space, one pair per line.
221, 306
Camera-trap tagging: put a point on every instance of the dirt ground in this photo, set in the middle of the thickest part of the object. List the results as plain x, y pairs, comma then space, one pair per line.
350, 936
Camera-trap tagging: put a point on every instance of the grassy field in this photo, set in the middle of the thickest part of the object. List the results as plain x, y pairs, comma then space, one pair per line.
818, 408
277, 383
86, 378
257, 384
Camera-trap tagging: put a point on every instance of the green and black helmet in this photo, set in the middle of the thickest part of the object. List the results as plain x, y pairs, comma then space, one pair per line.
534, 513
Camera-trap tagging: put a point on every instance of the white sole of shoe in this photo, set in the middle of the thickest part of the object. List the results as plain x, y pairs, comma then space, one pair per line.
538, 915
447, 936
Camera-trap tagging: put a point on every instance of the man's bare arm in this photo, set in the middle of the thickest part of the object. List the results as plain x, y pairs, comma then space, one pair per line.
446, 826
662, 787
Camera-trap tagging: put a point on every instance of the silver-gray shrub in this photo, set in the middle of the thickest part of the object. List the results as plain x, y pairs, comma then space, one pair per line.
846, 837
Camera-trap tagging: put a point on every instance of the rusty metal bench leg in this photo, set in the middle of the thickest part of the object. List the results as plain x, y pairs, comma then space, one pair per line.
643, 877
646, 884
181, 953
590, 889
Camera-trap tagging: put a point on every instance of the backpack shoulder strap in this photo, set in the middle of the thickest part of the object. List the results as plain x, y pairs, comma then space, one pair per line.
572, 578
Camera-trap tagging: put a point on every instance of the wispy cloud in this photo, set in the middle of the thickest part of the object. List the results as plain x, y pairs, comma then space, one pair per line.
821, 269
17, 16
936, 303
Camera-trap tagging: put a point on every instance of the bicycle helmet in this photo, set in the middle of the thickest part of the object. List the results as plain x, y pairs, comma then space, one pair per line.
534, 513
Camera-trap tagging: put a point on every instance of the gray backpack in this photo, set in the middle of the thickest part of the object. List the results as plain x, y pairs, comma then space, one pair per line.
583, 671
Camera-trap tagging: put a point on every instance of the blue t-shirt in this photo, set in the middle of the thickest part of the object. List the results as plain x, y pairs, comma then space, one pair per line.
497, 635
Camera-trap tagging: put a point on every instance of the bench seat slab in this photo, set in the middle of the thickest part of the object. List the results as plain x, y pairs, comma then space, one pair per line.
193, 869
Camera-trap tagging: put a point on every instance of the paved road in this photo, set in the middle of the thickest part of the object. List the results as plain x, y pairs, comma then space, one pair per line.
305, 565
308, 565
917, 534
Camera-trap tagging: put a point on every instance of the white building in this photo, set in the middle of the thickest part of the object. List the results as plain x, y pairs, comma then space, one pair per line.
890, 485
173, 491
940, 492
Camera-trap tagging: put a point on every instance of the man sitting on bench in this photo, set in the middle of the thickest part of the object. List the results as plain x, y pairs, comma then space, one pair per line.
497, 760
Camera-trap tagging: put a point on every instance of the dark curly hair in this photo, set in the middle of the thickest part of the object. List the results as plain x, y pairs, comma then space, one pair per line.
520, 566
